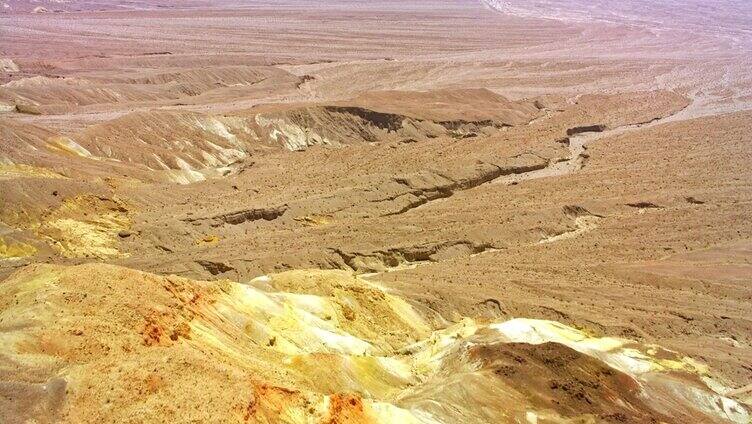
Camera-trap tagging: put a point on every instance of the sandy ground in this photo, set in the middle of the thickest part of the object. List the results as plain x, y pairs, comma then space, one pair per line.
577, 171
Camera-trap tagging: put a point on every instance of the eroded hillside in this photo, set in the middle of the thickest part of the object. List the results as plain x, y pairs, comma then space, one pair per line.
314, 346
399, 211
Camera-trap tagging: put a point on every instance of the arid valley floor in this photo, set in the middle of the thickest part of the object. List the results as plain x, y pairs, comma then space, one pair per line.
422, 211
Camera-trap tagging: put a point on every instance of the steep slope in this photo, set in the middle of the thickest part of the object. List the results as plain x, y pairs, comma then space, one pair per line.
100, 343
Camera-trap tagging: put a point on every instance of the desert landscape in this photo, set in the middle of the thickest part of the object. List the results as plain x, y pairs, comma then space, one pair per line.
337, 211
